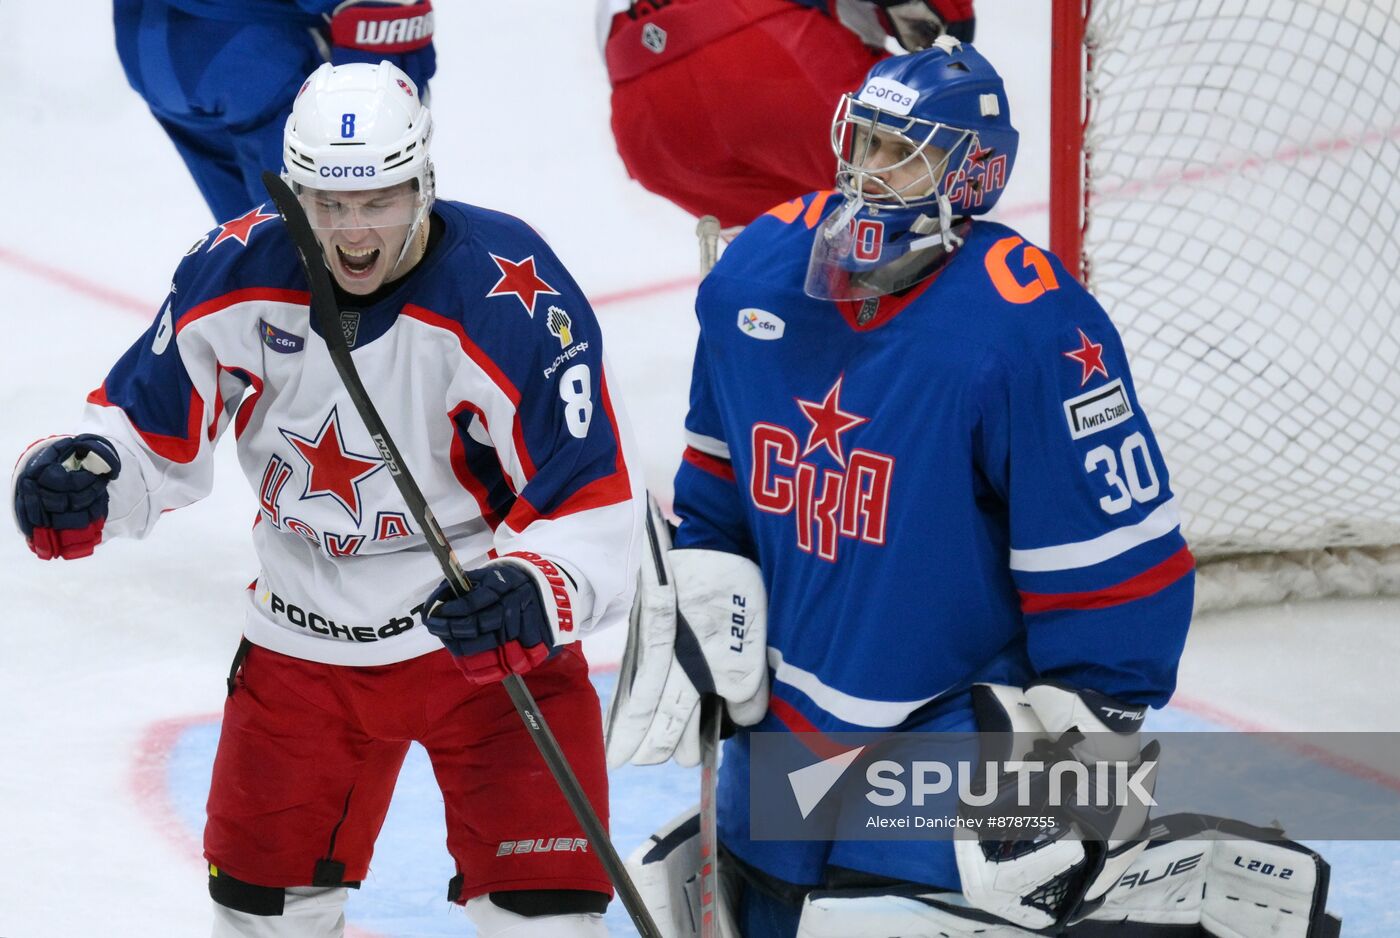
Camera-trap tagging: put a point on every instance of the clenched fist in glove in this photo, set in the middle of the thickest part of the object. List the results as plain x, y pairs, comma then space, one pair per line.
61, 495
915, 24
510, 620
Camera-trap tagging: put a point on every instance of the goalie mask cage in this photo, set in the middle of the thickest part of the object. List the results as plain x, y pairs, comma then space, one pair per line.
1225, 178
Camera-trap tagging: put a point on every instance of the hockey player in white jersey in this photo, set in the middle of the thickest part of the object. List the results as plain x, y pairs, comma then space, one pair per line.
486, 362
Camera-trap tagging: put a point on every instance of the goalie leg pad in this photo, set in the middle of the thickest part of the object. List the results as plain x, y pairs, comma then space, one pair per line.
666, 871
306, 912
1237, 888
911, 912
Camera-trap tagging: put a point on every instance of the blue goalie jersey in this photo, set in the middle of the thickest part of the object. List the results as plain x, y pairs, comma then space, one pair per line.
950, 486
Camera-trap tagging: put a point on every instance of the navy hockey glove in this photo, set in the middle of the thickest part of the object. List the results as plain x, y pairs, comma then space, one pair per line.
61, 496
499, 628
915, 24
397, 31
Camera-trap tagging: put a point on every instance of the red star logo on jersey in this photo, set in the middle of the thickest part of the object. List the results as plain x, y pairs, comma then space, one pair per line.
332, 469
518, 279
239, 229
829, 421
1090, 357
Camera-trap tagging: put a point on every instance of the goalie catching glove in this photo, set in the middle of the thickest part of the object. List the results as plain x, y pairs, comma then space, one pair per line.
698, 626
1064, 872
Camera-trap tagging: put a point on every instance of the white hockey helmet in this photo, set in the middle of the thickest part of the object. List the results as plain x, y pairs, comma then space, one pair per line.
359, 127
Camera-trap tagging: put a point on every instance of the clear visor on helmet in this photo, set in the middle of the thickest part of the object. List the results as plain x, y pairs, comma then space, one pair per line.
888, 159
852, 260
395, 206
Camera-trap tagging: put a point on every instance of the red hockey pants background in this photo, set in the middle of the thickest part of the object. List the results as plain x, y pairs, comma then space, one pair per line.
732, 125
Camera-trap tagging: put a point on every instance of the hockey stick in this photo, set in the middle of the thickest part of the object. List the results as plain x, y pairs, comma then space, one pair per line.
711, 704
325, 314
711, 721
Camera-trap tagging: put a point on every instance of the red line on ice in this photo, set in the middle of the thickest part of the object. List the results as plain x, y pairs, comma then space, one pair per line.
148, 781
1310, 751
77, 283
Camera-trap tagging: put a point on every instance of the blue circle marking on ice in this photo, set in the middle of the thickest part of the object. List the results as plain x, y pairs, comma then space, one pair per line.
405, 893
406, 890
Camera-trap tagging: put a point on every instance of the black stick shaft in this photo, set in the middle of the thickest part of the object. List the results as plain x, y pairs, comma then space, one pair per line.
325, 313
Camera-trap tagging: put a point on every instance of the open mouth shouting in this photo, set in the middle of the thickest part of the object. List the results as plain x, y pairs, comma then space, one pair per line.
357, 263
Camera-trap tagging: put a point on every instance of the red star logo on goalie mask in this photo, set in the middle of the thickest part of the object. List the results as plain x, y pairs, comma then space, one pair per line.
829, 421
518, 279
239, 228
332, 469
1090, 357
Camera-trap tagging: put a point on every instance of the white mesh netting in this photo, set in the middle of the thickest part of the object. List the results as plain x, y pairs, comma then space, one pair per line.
1243, 230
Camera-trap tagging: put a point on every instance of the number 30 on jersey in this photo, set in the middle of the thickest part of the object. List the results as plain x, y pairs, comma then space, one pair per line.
1129, 473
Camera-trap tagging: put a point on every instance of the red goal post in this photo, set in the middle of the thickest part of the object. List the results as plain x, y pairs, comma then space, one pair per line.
1225, 177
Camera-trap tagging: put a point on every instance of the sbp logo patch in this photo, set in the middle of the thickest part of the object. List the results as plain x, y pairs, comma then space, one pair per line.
760, 324
284, 342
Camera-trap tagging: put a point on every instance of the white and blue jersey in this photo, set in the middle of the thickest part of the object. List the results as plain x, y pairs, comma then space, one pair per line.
950, 486
486, 364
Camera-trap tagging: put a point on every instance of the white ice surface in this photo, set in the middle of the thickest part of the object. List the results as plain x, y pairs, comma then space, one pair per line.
111, 668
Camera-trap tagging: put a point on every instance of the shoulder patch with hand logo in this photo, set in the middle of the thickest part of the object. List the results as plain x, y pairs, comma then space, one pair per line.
560, 326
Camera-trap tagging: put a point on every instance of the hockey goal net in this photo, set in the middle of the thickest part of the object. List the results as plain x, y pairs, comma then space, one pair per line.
1225, 177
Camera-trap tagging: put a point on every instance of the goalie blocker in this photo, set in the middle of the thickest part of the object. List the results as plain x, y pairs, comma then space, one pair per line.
1203, 877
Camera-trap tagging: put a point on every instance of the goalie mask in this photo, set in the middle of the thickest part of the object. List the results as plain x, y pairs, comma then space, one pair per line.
927, 139
355, 152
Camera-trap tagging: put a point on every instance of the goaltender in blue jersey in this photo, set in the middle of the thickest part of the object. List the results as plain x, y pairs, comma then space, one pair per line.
917, 435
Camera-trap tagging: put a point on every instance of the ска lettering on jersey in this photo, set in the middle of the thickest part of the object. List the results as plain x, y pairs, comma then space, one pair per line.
827, 504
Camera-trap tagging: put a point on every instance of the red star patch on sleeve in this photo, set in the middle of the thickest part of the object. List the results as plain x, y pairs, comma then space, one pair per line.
518, 279
1090, 357
239, 228
829, 421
